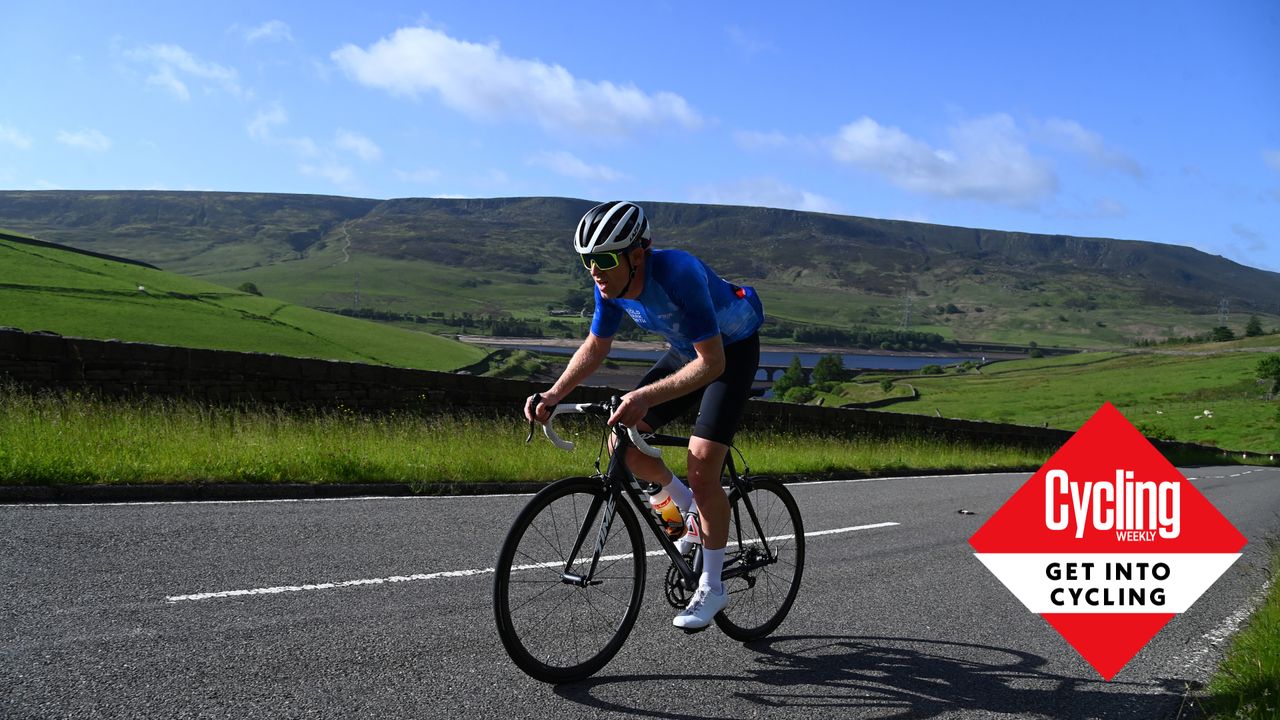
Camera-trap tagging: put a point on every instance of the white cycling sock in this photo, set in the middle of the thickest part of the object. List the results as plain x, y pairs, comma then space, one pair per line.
712, 564
680, 493
684, 543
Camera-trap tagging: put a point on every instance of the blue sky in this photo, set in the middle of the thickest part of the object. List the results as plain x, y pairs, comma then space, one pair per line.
1148, 121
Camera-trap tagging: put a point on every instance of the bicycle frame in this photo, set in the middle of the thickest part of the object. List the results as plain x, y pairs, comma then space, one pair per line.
619, 481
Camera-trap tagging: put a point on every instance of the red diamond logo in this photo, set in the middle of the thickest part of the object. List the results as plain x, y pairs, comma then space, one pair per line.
1107, 542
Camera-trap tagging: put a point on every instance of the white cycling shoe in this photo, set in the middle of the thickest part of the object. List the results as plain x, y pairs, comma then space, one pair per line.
702, 608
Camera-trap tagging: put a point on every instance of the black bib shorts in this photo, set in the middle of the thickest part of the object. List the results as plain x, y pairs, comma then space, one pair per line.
722, 400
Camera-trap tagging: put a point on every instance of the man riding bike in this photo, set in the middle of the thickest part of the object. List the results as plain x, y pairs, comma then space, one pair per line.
712, 329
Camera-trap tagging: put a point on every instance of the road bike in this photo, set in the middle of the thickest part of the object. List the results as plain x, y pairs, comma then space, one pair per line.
570, 575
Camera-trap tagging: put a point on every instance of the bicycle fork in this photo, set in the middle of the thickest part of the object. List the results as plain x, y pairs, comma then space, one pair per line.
609, 501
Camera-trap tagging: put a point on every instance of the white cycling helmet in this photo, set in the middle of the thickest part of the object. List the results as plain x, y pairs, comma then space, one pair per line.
614, 225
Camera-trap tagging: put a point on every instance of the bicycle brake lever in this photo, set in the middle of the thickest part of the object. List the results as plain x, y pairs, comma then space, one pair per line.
533, 411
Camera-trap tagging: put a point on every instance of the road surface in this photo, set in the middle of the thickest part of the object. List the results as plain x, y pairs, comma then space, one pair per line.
380, 608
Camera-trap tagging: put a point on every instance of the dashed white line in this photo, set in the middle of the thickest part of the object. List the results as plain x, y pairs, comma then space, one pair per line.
454, 573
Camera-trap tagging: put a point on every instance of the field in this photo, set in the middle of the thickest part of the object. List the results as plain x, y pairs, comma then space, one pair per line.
83, 296
1203, 394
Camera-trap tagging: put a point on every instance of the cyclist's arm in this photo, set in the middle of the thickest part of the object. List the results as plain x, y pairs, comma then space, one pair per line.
701, 371
585, 361
706, 367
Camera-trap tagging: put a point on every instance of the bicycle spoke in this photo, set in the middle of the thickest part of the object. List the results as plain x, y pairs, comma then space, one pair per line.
601, 615
551, 586
769, 559
555, 548
556, 629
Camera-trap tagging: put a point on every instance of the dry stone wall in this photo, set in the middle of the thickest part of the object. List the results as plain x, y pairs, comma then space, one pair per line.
114, 368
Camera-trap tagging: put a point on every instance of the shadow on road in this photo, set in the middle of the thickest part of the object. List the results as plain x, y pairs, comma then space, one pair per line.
890, 678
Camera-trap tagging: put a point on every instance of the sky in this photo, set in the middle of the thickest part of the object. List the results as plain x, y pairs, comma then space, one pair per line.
1136, 120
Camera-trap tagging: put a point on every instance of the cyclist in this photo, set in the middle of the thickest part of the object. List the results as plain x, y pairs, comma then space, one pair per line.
711, 327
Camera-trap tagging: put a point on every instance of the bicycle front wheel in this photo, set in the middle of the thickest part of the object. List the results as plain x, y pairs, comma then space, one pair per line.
558, 618
763, 562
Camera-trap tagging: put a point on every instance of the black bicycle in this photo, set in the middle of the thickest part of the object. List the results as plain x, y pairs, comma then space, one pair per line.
570, 575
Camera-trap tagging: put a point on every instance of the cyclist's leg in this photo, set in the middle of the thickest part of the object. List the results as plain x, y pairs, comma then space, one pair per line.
721, 410
722, 405
706, 458
647, 468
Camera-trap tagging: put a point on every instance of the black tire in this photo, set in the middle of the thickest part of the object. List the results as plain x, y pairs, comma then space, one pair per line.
760, 600
557, 631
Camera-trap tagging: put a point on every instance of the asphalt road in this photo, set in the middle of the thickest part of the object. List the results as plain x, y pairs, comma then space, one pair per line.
105, 612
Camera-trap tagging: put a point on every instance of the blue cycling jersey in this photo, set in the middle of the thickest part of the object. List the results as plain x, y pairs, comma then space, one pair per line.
684, 301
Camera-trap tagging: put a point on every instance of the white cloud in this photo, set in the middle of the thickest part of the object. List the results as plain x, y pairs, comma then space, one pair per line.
14, 137
262, 128
1070, 135
362, 146
483, 82
334, 172
569, 165
170, 64
92, 140
989, 160
763, 192
1271, 158
1110, 208
315, 161
272, 30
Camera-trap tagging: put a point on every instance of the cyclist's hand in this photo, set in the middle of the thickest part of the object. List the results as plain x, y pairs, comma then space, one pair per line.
538, 409
631, 411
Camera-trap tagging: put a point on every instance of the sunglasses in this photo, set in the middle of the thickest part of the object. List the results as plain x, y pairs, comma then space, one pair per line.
602, 260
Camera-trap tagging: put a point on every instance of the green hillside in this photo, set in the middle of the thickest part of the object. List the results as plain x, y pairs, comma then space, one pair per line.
510, 257
75, 294
1164, 393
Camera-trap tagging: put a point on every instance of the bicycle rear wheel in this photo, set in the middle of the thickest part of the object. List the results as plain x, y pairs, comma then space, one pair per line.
767, 555
555, 628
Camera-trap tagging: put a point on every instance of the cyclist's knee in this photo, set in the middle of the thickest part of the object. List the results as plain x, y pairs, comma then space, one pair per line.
706, 458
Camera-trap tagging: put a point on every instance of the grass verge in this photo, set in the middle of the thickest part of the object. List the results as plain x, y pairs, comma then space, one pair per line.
1212, 399
1248, 681
57, 439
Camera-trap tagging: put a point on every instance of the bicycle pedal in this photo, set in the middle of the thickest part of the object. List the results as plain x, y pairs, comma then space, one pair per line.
693, 631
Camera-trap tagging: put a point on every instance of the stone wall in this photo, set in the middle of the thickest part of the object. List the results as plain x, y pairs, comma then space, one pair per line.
114, 368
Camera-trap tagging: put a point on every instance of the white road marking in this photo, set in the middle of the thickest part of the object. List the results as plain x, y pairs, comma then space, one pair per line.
1226, 629
456, 573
